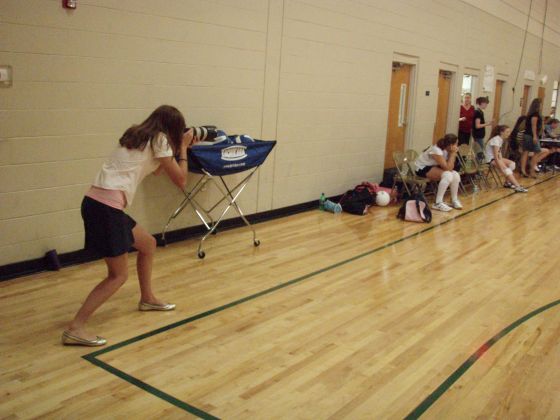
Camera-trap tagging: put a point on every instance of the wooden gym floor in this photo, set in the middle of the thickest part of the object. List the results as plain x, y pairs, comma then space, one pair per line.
331, 317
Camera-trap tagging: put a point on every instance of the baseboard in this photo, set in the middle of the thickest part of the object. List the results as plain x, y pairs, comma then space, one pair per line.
25, 268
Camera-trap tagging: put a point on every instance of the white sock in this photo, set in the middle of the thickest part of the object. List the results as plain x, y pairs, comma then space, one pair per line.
446, 179
455, 186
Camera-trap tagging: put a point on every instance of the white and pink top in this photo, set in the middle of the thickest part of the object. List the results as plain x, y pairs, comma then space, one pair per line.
116, 183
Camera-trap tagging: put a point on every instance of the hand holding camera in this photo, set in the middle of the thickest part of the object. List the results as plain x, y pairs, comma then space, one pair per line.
188, 138
203, 133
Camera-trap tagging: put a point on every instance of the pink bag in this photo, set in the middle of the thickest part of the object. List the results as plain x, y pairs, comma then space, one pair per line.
411, 213
415, 210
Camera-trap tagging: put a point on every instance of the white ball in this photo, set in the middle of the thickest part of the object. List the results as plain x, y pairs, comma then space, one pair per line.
382, 198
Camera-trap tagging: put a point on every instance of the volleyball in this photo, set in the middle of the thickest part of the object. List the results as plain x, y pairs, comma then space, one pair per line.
382, 198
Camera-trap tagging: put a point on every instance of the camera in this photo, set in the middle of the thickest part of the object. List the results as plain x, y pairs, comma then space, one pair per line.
204, 133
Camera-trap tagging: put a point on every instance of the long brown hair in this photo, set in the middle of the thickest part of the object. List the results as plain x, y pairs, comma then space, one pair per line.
447, 141
534, 107
499, 129
165, 119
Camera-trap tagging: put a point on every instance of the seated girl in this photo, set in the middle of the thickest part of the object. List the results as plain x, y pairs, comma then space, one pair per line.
436, 163
494, 157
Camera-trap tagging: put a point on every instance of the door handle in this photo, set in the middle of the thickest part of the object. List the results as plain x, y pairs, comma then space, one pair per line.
402, 105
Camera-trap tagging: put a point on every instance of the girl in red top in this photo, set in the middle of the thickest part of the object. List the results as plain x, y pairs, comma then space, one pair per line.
466, 120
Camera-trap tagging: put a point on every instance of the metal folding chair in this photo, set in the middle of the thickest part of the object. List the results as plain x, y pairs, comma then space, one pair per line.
469, 165
485, 169
405, 173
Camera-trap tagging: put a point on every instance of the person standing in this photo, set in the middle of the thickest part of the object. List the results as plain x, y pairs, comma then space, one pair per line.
531, 140
145, 148
466, 120
479, 124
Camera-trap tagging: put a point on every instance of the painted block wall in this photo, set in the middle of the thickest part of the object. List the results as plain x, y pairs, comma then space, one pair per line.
313, 74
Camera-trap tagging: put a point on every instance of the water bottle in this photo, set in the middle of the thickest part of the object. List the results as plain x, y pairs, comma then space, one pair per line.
322, 201
333, 207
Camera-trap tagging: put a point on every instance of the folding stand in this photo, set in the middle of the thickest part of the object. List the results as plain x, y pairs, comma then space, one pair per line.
205, 214
213, 162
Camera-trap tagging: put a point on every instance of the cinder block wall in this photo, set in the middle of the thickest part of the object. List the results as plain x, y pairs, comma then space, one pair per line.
313, 74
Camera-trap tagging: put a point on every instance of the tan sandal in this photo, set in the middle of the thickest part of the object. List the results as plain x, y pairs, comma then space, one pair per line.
143, 306
69, 339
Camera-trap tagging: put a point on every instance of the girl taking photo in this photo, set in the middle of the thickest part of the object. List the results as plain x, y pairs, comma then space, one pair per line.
109, 232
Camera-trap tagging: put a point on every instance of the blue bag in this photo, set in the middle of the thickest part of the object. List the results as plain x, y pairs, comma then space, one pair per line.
235, 154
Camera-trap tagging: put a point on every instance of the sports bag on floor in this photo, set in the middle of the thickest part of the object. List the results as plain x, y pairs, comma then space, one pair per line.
415, 209
358, 200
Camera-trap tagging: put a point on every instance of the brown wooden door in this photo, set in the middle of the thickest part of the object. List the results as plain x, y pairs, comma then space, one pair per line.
444, 89
398, 107
498, 101
542, 94
525, 99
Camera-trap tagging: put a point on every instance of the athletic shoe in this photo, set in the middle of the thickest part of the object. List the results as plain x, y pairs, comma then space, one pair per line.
520, 189
441, 207
509, 185
456, 204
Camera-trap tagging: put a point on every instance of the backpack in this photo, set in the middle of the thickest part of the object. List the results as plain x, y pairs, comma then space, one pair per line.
374, 188
358, 200
415, 210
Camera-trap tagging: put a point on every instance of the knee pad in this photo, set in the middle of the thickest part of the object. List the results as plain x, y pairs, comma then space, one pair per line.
508, 171
512, 166
456, 176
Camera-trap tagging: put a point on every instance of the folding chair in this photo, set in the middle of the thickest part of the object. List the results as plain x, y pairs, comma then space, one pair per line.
406, 174
485, 169
496, 172
468, 162
411, 155
213, 162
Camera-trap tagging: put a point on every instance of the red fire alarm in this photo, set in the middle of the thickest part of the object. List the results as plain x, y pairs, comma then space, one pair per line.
69, 4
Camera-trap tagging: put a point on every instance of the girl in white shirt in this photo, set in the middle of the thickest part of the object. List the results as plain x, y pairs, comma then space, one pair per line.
109, 232
436, 163
493, 154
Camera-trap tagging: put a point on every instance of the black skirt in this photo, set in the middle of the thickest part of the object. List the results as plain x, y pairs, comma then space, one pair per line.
108, 230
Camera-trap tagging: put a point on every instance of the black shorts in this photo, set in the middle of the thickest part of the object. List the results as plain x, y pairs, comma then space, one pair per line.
424, 171
108, 230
